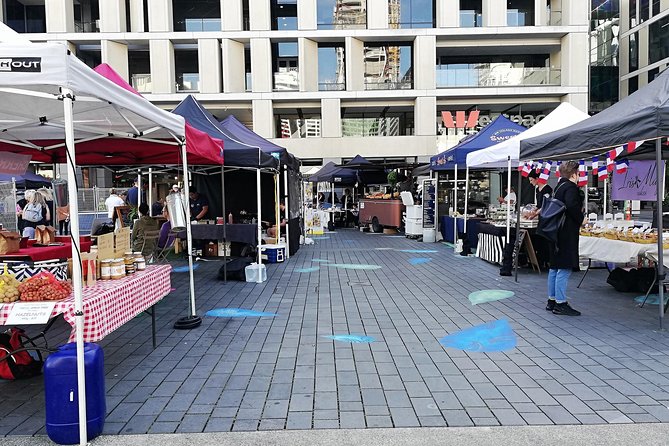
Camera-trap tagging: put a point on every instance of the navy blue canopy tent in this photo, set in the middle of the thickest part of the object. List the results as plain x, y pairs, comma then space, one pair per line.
236, 153
331, 173
28, 180
500, 129
247, 136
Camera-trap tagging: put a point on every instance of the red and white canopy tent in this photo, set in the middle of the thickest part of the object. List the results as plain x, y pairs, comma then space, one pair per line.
57, 109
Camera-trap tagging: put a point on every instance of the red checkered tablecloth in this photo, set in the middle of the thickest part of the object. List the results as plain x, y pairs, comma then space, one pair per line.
111, 303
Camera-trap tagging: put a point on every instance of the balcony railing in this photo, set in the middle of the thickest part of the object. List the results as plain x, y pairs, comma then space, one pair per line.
402, 85
198, 25
555, 18
188, 82
471, 19
331, 86
496, 76
517, 17
141, 82
87, 27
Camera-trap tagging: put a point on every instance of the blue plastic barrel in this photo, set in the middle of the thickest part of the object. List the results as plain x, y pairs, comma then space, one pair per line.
62, 400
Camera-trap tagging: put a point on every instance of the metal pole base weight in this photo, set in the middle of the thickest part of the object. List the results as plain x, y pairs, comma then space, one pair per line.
188, 322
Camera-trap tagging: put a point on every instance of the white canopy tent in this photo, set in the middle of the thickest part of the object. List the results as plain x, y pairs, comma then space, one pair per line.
50, 95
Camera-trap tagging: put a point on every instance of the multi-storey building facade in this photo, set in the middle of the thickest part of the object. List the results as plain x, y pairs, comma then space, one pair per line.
333, 78
644, 42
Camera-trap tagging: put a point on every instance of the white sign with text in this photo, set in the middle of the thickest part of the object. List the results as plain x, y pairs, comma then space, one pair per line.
23, 313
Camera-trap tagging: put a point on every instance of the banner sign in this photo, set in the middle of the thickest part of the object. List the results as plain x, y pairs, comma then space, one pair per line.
14, 163
429, 203
639, 182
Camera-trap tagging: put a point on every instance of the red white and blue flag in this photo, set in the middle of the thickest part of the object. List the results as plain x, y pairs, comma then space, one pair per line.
582, 174
610, 164
621, 166
543, 176
595, 165
539, 165
613, 153
527, 168
633, 145
557, 169
603, 173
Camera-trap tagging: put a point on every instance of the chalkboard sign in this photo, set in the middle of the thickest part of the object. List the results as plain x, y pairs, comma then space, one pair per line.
429, 203
524, 239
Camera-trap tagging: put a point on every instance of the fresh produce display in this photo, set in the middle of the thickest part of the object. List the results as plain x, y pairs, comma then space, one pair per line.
44, 287
9, 288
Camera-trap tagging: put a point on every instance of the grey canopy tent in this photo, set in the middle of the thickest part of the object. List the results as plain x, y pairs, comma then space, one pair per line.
642, 116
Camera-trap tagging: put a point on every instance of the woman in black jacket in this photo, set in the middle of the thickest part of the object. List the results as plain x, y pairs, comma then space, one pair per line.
564, 254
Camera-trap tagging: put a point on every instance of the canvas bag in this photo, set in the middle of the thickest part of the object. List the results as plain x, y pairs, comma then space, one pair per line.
32, 212
551, 217
9, 242
15, 361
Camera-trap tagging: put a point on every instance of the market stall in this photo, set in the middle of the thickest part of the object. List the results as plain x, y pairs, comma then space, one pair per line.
612, 133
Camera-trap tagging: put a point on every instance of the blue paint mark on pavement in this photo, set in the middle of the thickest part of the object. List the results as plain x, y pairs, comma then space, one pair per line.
309, 269
354, 266
355, 339
495, 336
419, 260
653, 299
237, 312
184, 268
320, 260
483, 296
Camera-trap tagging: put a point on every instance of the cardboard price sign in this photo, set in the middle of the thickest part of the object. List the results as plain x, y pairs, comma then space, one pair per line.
122, 242
105, 246
30, 313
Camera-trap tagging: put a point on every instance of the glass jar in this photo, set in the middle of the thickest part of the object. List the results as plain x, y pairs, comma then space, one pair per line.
117, 269
105, 269
140, 262
129, 261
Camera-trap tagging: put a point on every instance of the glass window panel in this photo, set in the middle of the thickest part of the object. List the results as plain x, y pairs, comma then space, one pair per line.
196, 15
634, 52
658, 40
470, 13
341, 14
331, 68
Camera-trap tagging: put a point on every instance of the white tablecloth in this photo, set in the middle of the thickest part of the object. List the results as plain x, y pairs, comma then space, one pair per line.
616, 251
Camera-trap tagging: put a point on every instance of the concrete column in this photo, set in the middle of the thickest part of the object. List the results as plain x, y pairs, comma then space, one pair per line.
425, 116
261, 65
263, 118
331, 118
308, 64
232, 14
574, 68
260, 15
112, 16
209, 62
116, 55
624, 61
576, 12
163, 79
578, 100
643, 49
541, 17
137, 16
448, 13
494, 13
355, 65
377, 14
306, 15
425, 55
59, 16
234, 74
160, 16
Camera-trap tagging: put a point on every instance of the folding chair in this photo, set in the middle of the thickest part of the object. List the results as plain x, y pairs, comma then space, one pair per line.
150, 242
160, 253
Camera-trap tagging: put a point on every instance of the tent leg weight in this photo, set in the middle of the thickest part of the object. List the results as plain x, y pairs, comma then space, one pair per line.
376, 227
188, 323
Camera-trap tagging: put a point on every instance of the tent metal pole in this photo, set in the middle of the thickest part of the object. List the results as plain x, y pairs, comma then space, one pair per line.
517, 248
192, 321
150, 192
259, 278
285, 211
587, 185
660, 243
16, 215
466, 196
225, 228
455, 208
139, 188
606, 184
508, 204
68, 96
277, 209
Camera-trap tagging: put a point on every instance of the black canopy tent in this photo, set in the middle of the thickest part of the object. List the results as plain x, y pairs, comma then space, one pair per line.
642, 116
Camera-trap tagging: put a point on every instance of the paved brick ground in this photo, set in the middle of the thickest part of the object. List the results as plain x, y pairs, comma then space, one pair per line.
608, 366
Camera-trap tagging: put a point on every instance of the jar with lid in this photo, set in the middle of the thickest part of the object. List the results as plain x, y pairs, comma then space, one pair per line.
140, 262
117, 269
105, 269
129, 261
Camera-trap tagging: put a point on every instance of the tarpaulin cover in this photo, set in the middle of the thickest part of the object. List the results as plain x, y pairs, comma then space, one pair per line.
640, 116
248, 136
331, 173
500, 129
237, 153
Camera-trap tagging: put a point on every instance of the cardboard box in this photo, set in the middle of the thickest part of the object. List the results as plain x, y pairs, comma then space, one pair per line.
121, 242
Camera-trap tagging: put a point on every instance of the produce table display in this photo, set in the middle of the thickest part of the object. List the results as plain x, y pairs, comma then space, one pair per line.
111, 303
617, 251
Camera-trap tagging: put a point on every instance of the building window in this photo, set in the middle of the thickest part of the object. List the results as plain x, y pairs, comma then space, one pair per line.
91, 55
245, 15
25, 18
604, 40
644, 10
139, 69
494, 71
284, 15
520, 13
656, 7
298, 122
341, 14
634, 52
247, 69
470, 13
632, 13
388, 67
632, 85
87, 16
658, 40
186, 68
377, 121
411, 13
285, 66
652, 74
196, 15
331, 67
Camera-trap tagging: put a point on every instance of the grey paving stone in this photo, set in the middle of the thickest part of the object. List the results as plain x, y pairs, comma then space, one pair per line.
298, 420
404, 417
559, 415
397, 398
164, 427
379, 421
326, 424
192, 423
350, 420
456, 418
536, 418
613, 416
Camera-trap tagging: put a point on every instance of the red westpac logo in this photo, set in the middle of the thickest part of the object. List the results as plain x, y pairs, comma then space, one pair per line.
462, 121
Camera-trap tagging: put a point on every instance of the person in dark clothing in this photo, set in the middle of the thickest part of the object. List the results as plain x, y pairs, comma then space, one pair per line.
540, 190
199, 205
564, 254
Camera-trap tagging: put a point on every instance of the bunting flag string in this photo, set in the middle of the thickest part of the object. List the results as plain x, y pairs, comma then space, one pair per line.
557, 169
527, 168
540, 163
545, 174
610, 165
603, 173
595, 165
622, 165
613, 153
582, 174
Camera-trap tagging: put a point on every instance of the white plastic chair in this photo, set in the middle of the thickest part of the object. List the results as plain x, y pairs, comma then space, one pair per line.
619, 216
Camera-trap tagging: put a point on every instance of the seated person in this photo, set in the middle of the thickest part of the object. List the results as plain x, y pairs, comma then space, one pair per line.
271, 231
509, 198
141, 226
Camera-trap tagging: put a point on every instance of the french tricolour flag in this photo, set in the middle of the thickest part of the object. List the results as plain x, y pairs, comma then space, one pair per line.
633, 145
610, 164
527, 168
621, 166
543, 176
557, 169
602, 174
595, 165
582, 174
613, 153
